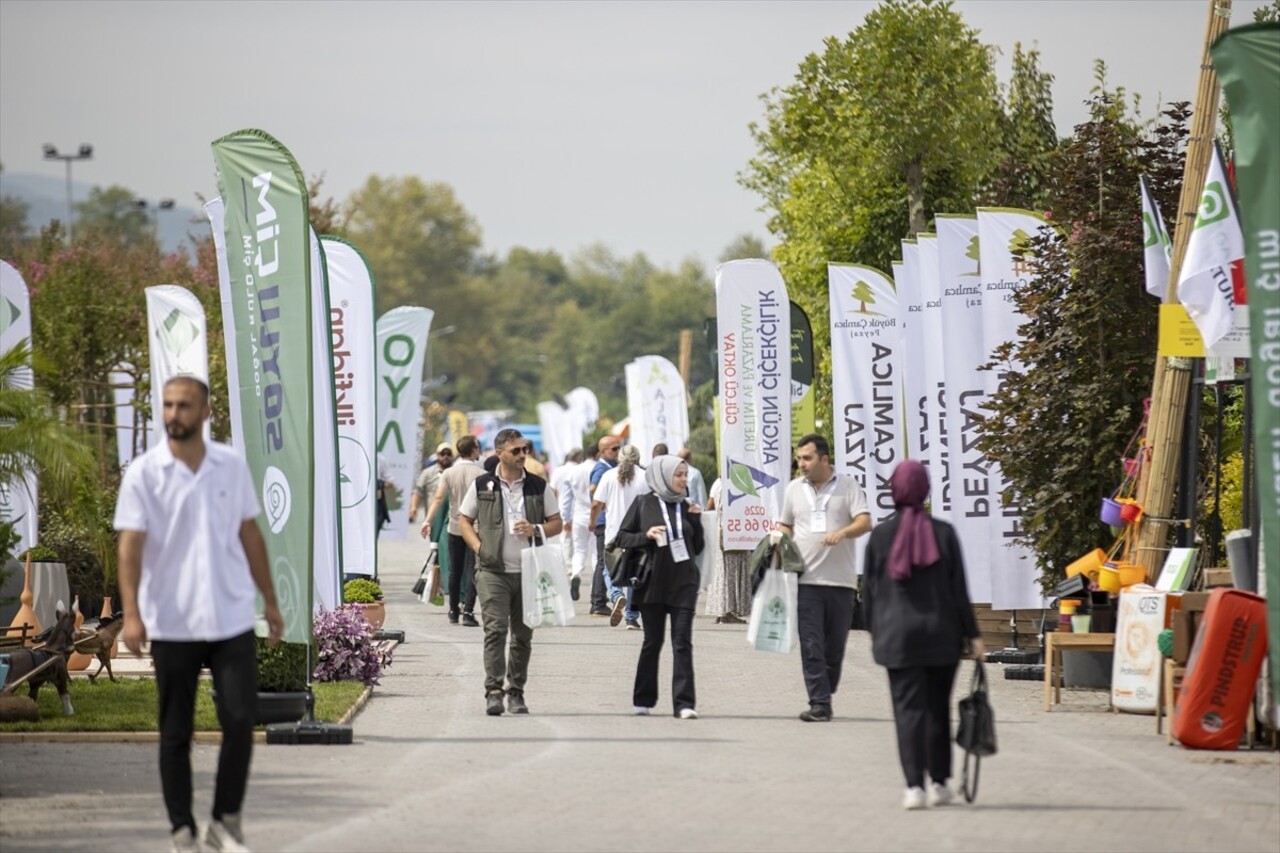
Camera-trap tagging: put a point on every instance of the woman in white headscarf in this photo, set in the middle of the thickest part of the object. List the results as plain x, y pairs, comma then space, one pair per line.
666, 525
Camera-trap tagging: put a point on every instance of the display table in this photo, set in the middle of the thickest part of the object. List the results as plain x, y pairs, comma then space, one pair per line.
1055, 643
1170, 680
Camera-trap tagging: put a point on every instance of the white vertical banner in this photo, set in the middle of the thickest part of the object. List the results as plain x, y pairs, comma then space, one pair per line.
906, 279
966, 392
326, 565
557, 431
656, 405
216, 213
753, 321
179, 343
19, 498
584, 412
866, 381
1006, 266
935, 382
130, 441
1205, 282
355, 407
1157, 248
402, 346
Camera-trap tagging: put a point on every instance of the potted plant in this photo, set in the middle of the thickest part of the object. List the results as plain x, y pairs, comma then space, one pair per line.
345, 648
367, 595
283, 694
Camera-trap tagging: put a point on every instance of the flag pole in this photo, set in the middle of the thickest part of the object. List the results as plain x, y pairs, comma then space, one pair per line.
1172, 380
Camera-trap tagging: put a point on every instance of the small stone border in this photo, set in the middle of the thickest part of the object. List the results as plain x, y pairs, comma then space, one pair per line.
154, 737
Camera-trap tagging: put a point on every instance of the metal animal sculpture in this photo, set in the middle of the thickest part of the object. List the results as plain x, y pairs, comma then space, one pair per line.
98, 640
46, 662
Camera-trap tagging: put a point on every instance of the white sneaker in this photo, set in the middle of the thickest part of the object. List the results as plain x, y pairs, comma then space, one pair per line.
913, 799
184, 840
940, 795
225, 835
640, 711
688, 714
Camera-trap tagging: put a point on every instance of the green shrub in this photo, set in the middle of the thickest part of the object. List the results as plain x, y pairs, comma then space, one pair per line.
361, 591
40, 554
282, 669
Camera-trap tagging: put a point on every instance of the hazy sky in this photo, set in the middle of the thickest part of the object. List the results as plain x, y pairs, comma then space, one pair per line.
558, 124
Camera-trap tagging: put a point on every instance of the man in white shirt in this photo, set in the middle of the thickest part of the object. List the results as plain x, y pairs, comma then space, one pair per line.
428, 480
190, 555
562, 485
824, 512
584, 539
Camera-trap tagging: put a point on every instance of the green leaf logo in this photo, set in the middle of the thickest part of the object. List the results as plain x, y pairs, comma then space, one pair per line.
1019, 243
176, 332
9, 314
740, 477
1214, 206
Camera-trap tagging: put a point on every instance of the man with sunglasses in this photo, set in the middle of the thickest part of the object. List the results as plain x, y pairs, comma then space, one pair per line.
424, 488
501, 515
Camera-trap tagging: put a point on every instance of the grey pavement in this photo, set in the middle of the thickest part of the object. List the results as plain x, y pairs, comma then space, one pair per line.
429, 771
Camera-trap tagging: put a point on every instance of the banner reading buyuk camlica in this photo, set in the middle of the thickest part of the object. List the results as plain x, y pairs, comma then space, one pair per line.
753, 320
269, 255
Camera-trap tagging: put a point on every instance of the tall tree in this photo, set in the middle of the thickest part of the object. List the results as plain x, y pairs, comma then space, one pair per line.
113, 214
1028, 136
13, 223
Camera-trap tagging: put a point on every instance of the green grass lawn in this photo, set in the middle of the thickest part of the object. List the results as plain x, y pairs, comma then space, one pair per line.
129, 705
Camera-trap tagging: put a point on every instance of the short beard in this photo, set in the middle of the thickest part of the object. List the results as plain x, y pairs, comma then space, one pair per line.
178, 432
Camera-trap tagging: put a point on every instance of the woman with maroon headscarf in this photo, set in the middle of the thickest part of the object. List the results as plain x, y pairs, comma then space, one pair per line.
917, 608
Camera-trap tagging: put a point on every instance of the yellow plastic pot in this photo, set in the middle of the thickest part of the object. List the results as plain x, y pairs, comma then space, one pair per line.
1109, 579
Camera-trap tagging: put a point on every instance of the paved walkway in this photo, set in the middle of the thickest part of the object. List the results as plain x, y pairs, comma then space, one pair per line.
429, 771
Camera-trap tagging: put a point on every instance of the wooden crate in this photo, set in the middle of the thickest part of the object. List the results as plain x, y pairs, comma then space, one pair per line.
996, 630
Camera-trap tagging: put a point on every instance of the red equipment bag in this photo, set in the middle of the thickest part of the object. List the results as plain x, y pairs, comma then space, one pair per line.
1222, 671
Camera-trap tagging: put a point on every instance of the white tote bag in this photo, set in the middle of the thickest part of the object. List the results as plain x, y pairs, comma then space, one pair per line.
773, 627
544, 586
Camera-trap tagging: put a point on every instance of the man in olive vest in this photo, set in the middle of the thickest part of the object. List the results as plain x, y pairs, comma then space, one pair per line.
499, 518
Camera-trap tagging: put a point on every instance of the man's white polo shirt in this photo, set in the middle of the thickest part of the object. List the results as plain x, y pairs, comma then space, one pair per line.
196, 583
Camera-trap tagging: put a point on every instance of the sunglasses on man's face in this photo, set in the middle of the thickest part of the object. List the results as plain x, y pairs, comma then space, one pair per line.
524, 449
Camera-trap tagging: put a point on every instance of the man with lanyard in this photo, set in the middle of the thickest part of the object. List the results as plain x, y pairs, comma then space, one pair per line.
453, 487
499, 518
600, 603
824, 512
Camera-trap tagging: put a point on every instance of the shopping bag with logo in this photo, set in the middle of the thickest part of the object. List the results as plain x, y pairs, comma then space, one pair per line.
544, 587
976, 734
773, 626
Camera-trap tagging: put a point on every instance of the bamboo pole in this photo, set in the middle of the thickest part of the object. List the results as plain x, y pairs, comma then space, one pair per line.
1173, 375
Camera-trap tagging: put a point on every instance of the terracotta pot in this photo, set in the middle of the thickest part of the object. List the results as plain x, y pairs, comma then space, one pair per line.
26, 614
375, 614
106, 613
78, 661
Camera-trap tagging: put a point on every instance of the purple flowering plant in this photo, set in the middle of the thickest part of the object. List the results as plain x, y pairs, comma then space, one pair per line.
347, 651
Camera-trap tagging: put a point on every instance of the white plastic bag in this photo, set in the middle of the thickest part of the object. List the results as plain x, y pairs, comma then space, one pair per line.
431, 576
544, 586
773, 625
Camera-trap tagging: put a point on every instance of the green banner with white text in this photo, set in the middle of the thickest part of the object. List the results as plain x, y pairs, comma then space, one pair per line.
1248, 63
269, 256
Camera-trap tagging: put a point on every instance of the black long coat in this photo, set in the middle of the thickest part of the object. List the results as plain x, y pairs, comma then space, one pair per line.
670, 583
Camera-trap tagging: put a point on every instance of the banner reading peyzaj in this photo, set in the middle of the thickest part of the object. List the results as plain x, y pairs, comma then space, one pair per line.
753, 320
351, 332
179, 344
866, 380
656, 405
1006, 266
935, 383
1248, 63
326, 556
966, 392
269, 253
402, 347
803, 404
19, 499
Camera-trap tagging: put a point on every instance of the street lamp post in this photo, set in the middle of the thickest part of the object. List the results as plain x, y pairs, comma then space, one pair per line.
162, 204
438, 333
85, 153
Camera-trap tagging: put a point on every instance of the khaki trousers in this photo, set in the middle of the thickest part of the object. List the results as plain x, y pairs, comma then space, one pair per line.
501, 608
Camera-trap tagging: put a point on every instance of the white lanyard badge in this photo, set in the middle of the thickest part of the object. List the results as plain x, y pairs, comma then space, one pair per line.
818, 511
679, 548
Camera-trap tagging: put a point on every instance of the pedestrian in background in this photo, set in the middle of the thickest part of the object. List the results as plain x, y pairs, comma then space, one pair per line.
453, 488
616, 492
922, 623
666, 524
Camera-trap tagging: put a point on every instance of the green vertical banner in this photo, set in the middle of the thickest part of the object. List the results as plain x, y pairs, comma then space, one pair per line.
1248, 63
802, 405
269, 256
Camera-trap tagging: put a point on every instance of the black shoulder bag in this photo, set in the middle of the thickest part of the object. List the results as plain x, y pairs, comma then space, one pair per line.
976, 734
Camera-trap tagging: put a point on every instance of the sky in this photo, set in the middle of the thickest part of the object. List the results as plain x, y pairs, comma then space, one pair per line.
559, 125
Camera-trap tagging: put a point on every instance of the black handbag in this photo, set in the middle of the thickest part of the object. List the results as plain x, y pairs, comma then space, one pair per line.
976, 734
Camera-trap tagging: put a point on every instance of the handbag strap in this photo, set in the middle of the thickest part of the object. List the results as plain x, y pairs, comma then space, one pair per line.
978, 681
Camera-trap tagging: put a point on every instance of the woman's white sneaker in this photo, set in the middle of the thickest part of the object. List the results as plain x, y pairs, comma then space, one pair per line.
940, 795
688, 714
640, 711
913, 799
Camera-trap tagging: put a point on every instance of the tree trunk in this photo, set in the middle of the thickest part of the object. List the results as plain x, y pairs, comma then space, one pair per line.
915, 198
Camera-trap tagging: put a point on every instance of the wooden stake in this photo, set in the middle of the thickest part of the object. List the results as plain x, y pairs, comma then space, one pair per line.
1173, 375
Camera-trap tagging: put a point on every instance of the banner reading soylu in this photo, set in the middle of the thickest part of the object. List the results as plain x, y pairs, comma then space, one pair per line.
268, 243
753, 319
402, 346
19, 498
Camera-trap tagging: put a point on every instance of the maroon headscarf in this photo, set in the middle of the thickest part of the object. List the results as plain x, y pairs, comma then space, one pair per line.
914, 544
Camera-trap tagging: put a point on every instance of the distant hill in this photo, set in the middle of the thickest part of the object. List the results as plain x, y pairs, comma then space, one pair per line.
47, 198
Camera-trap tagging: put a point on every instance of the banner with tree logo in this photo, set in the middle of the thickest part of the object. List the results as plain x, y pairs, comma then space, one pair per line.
402, 347
803, 417
1248, 63
657, 406
268, 243
19, 498
966, 390
935, 383
351, 333
1004, 236
753, 320
906, 281
179, 343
